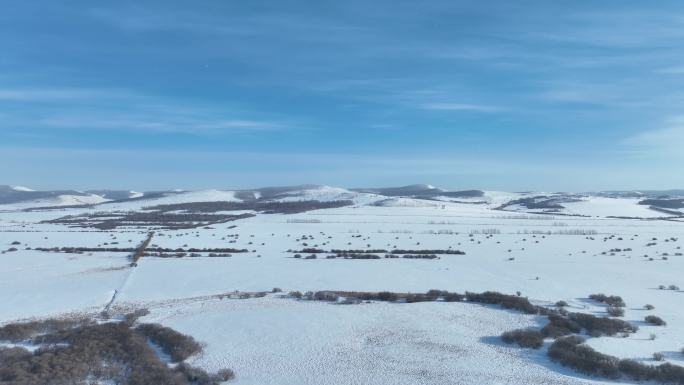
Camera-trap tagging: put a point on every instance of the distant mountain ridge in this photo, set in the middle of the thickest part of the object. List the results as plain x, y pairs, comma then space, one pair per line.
18, 197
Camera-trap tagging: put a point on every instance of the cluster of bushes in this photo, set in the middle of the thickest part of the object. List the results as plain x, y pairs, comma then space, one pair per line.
615, 311
98, 353
412, 256
80, 250
369, 251
611, 300
559, 326
17, 332
599, 326
183, 255
309, 250
178, 346
435, 251
526, 338
371, 256
655, 320
507, 301
354, 256
386, 296
571, 351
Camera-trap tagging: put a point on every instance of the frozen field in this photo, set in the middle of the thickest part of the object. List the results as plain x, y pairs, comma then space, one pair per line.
280, 340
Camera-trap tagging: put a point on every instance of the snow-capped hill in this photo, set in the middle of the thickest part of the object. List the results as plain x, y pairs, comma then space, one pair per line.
324, 194
172, 197
10, 195
72, 200
21, 188
116, 195
410, 190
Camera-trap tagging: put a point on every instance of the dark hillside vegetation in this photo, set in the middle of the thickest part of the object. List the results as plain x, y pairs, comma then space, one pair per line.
160, 220
290, 207
85, 352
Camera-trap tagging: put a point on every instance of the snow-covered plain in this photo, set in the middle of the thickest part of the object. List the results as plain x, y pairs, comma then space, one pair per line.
280, 340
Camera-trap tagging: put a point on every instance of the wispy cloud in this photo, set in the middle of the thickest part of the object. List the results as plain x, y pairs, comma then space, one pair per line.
663, 143
460, 107
56, 94
122, 110
157, 122
673, 70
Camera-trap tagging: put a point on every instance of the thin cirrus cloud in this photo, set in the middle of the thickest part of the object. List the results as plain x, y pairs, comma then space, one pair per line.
461, 107
55, 94
666, 142
121, 110
160, 124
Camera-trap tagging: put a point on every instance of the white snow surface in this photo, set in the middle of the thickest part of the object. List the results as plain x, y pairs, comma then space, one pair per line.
278, 340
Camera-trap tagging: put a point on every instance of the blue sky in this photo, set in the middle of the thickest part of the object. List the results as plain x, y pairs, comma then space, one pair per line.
509, 95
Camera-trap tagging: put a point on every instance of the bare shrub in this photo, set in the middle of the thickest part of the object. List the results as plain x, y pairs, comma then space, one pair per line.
507, 301
615, 311
570, 351
560, 326
598, 326
526, 338
612, 300
178, 346
17, 332
325, 296
94, 353
655, 320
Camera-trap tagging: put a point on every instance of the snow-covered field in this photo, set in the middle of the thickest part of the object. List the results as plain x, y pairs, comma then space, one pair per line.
281, 340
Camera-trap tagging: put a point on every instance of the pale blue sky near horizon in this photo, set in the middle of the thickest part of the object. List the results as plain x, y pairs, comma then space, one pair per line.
525, 95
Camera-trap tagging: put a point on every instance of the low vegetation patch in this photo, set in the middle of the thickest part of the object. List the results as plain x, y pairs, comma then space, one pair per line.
507, 301
80, 352
526, 338
175, 344
162, 220
572, 352
600, 326
559, 326
655, 320
611, 300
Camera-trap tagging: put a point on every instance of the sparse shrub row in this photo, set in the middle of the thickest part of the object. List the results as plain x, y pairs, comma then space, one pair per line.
140, 251
572, 352
78, 250
507, 301
599, 326
611, 300
369, 256
313, 250
431, 295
